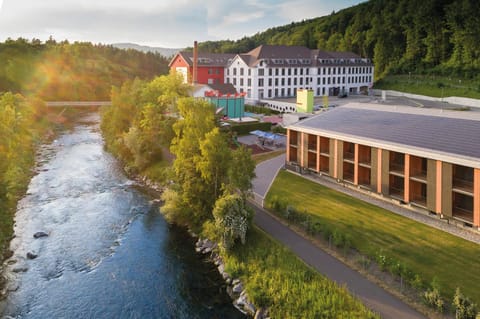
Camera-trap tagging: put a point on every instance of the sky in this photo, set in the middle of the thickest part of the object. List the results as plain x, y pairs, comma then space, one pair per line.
163, 23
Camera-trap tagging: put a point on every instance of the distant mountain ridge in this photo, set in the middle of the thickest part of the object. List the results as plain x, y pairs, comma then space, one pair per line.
166, 52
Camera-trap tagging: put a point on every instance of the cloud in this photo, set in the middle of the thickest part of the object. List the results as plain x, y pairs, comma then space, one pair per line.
153, 22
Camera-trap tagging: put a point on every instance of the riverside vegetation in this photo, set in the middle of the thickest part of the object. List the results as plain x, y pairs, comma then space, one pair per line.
205, 188
398, 245
34, 71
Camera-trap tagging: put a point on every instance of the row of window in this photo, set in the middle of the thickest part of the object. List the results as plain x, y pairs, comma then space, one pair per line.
300, 81
302, 71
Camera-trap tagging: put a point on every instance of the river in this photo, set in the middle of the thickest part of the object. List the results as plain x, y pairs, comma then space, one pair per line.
109, 253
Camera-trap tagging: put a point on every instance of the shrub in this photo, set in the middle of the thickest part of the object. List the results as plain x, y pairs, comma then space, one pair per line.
382, 260
246, 128
464, 308
432, 298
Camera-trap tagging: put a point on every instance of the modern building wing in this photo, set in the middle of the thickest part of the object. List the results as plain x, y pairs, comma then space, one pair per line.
426, 158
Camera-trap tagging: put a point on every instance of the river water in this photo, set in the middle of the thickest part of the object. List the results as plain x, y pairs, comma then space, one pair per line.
109, 253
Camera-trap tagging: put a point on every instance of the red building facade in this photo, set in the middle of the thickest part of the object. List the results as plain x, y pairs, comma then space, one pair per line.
210, 69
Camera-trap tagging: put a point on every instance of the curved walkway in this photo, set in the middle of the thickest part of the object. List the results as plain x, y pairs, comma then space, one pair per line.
373, 296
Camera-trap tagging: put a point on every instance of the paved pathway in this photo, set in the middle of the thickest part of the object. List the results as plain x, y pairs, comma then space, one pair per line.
374, 297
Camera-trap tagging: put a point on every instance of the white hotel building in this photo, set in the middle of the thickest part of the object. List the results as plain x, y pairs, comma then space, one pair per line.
276, 71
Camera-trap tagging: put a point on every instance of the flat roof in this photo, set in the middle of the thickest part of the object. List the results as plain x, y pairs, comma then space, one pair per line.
450, 136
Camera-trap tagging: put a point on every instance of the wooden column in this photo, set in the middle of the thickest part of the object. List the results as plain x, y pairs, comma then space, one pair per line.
438, 191
355, 165
335, 157
406, 187
302, 145
288, 145
379, 170
476, 197
318, 153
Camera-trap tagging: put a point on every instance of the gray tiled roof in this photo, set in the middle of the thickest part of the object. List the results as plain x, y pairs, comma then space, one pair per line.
208, 59
454, 136
271, 52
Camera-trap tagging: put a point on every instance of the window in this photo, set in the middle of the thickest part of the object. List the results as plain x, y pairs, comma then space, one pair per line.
249, 82
323, 81
289, 71
241, 71
270, 72
210, 81
234, 71
261, 72
217, 71
249, 72
234, 81
260, 82
301, 81
228, 71
289, 82
210, 71
276, 71
269, 82
283, 72
307, 71
294, 81
260, 93
241, 81
301, 71
283, 81
276, 82
295, 71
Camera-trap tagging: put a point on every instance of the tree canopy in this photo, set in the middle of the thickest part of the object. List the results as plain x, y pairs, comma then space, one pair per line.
72, 71
439, 36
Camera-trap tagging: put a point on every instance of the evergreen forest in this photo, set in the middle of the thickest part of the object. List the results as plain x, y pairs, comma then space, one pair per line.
424, 37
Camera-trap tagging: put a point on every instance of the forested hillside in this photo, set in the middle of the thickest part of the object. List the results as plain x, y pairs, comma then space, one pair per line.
401, 36
72, 71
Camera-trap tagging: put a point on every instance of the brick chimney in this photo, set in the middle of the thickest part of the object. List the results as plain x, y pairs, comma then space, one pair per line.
195, 63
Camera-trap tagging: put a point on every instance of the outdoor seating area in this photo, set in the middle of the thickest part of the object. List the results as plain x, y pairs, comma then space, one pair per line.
267, 138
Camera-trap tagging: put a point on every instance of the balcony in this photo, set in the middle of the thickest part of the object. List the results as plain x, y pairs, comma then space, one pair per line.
348, 172
349, 157
325, 146
463, 186
462, 207
397, 169
419, 176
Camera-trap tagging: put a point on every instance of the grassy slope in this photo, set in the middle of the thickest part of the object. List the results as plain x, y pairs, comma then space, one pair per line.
425, 250
277, 278
435, 86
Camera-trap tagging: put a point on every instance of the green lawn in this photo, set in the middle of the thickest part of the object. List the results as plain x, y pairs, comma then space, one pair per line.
426, 251
436, 86
276, 278
262, 157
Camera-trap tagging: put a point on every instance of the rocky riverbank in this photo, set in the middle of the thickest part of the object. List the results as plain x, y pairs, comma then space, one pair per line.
235, 287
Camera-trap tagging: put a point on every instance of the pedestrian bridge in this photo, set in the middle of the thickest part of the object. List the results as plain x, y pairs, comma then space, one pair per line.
78, 103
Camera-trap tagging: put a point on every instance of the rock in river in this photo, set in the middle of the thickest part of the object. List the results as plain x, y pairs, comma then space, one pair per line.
31, 255
40, 234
